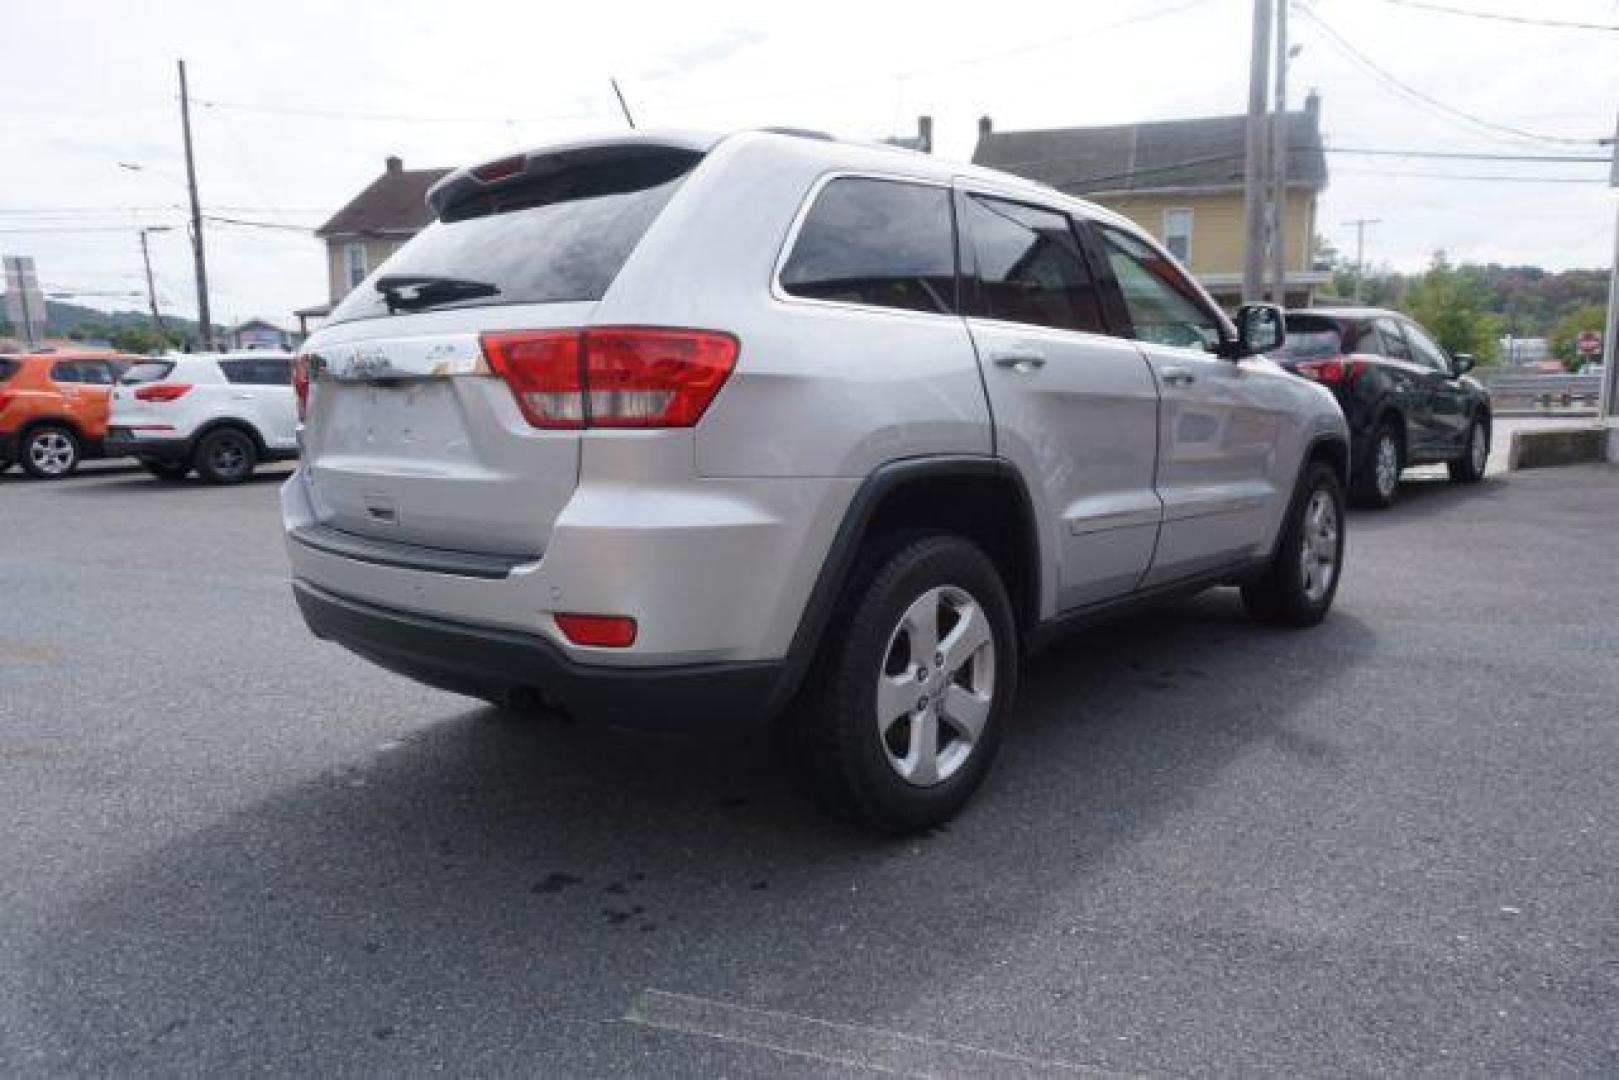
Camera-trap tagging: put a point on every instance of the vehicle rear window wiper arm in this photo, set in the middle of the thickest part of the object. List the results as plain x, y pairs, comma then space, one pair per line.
413, 292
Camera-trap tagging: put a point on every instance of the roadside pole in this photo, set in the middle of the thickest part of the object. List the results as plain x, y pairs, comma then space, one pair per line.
1253, 201
1609, 410
151, 289
1278, 165
205, 326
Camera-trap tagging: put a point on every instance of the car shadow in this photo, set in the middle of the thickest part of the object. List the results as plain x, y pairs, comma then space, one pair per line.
514, 881
143, 483
1424, 497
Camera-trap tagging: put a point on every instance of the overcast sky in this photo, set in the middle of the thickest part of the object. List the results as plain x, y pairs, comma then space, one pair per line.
300, 101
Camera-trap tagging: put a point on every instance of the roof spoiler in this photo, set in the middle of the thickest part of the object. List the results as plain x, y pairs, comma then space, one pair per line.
515, 169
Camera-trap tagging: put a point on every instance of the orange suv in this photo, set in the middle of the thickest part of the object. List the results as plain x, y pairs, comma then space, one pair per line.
53, 408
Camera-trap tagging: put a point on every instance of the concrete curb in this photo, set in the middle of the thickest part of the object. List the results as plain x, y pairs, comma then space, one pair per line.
1548, 448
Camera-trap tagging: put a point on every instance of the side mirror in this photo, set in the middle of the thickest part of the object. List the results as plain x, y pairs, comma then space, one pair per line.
1260, 329
1462, 363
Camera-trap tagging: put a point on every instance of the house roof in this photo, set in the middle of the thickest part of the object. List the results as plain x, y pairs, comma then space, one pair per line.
396, 201
1207, 152
256, 324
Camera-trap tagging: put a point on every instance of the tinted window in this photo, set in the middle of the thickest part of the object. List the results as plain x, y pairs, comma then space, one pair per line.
1310, 337
260, 371
8, 368
1030, 268
1393, 340
1163, 306
82, 371
881, 242
151, 371
563, 236
1425, 350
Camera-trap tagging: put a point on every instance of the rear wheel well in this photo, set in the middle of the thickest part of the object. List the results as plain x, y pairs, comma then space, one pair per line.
234, 424
37, 422
990, 510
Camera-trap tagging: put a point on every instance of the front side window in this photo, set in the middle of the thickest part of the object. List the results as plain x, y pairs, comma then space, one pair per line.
1178, 234
353, 264
1393, 340
1030, 267
1162, 305
883, 243
1425, 350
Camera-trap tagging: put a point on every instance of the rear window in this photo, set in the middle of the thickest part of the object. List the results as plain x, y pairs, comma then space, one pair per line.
1310, 338
150, 371
559, 237
885, 243
259, 371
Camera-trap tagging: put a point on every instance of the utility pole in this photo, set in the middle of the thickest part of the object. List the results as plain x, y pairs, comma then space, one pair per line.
1610, 338
1253, 203
151, 289
205, 326
1278, 164
1360, 250
622, 104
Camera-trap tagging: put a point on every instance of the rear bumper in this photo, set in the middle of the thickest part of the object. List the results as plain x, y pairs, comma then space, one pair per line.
494, 663
118, 444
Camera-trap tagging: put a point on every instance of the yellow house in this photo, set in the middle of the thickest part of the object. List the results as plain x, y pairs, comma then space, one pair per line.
1182, 181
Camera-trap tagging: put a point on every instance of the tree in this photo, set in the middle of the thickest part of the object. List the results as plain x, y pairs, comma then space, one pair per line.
1454, 307
1570, 326
139, 339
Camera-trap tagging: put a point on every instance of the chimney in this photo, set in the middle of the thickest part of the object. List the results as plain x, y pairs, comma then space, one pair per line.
984, 126
395, 166
924, 134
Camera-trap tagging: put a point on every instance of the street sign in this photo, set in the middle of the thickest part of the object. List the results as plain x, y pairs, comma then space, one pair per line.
1589, 343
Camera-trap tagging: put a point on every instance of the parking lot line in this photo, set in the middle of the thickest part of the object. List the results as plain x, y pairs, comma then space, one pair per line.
871, 1048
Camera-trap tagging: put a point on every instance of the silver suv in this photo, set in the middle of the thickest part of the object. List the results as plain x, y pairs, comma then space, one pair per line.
671, 430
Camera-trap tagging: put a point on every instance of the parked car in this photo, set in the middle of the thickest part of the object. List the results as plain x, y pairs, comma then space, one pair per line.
733, 432
53, 409
221, 415
1407, 401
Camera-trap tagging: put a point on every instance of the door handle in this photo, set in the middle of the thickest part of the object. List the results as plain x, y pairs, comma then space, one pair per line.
243, 397
1177, 376
1019, 360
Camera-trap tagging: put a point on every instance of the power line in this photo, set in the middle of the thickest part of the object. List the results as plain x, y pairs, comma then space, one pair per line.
1417, 95
1522, 20
1499, 177
1464, 155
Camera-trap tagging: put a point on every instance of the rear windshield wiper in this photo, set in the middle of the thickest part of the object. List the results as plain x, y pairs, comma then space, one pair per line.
414, 292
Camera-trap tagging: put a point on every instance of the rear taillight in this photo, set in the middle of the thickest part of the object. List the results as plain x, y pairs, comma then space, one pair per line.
627, 377
300, 383
1327, 371
168, 391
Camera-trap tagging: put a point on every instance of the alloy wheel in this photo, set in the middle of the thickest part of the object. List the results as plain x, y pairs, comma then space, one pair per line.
51, 451
936, 686
1479, 447
228, 455
1318, 550
1387, 465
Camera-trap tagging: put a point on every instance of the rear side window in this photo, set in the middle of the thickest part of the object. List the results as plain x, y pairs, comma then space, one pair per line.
265, 371
1311, 337
1030, 268
92, 372
152, 371
562, 236
8, 368
884, 243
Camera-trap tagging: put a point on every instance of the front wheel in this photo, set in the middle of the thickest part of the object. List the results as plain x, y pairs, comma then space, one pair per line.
911, 702
1298, 587
1469, 468
226, 456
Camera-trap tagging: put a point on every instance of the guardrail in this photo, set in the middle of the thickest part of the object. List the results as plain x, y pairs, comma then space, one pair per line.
1545, 391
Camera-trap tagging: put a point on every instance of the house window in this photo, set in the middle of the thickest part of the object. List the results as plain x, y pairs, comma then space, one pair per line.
1178, 234
354, 264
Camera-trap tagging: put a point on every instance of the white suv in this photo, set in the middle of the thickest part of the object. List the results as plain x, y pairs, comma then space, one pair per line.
668, 430
218, 414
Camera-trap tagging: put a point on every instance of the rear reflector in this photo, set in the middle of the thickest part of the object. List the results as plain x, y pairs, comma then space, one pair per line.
162, 391
602, 631
626, 377
300, 382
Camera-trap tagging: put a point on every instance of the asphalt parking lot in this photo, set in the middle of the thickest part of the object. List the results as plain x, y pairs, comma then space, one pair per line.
1386, 845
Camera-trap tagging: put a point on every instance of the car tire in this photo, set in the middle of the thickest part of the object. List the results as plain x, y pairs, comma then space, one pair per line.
171, 471
1376, 485
226, 455
49, 452
1298, 587
898, 740
1469, 468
